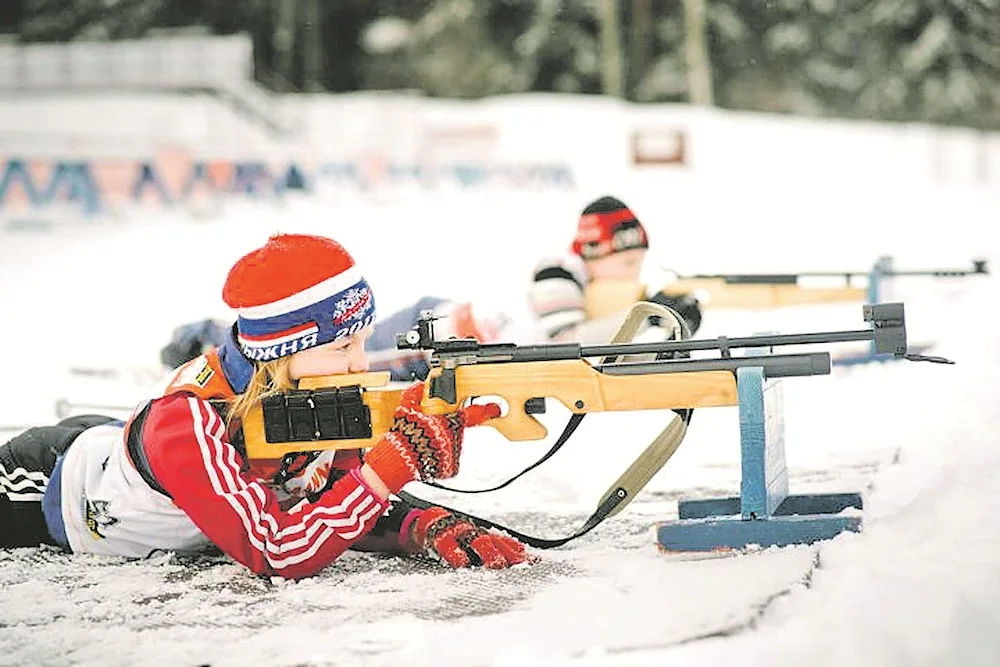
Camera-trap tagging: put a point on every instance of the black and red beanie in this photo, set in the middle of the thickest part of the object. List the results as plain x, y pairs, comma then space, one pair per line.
608, 226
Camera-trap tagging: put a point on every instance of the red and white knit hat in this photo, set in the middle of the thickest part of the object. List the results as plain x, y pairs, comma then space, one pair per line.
296, 292
608, 226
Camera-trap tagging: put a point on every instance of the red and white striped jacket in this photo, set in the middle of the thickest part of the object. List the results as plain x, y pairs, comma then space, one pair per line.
183, 485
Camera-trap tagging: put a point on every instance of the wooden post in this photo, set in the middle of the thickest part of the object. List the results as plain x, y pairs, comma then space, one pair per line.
640, 28
699, 66
611, 52
284, 38
312, 47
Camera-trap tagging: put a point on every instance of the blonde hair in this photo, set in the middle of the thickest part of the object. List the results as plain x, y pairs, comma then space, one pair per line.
269, 378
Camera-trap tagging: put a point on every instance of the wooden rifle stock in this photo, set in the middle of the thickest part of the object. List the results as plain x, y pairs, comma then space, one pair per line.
573, 382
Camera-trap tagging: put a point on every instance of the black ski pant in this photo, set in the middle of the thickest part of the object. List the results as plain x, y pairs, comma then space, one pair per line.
26, 464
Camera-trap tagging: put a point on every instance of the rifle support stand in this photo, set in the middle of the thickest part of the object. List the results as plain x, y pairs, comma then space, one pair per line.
880, 273
764, 514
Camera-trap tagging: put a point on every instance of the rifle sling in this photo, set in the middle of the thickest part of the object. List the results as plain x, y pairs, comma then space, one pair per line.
653, 458
642, 469
571, 425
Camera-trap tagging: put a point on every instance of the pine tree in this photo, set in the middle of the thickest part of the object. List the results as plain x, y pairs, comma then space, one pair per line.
56, 20
905, 60
733, 52
470, 48
938, 61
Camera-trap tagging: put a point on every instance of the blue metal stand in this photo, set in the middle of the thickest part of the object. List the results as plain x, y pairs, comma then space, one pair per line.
879, 273
764, 514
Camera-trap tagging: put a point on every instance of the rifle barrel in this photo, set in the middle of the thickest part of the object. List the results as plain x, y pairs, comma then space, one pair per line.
723, 343
774, 365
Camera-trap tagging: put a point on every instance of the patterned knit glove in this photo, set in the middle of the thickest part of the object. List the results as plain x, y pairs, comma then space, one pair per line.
458, 542
421, 446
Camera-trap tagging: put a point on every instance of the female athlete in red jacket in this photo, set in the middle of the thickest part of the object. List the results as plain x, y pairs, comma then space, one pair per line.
175, 475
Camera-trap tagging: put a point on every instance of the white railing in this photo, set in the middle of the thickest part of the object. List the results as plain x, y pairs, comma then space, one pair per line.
182, 61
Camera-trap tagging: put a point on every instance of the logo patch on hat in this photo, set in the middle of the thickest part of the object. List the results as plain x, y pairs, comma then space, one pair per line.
354, 301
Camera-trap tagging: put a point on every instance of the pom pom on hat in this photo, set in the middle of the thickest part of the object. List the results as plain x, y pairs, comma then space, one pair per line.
296, 292
608, 226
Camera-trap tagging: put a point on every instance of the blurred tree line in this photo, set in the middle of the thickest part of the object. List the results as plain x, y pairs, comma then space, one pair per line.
904, 60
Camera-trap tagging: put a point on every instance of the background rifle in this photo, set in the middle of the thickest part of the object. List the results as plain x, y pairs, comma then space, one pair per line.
979, 267
772, 290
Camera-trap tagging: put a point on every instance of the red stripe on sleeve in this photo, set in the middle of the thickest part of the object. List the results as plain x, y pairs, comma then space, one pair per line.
190, 454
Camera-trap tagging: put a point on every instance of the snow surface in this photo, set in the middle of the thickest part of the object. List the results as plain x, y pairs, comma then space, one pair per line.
920, 585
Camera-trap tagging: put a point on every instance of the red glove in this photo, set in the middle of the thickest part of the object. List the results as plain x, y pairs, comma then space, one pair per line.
422, 446
457, 541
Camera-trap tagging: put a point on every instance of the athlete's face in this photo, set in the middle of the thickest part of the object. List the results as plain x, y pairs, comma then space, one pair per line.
337, 358
625, 265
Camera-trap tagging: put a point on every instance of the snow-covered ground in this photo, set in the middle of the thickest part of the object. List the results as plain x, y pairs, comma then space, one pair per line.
920, 585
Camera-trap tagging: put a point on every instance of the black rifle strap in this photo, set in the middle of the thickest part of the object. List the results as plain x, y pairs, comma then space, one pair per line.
571, 425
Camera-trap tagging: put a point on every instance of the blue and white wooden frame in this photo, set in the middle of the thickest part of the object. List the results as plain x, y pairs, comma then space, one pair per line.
764, 514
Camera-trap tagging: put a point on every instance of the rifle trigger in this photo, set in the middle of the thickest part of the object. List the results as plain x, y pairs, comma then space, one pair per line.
534, 406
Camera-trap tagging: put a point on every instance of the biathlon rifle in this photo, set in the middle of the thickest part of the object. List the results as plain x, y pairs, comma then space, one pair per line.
353, 411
